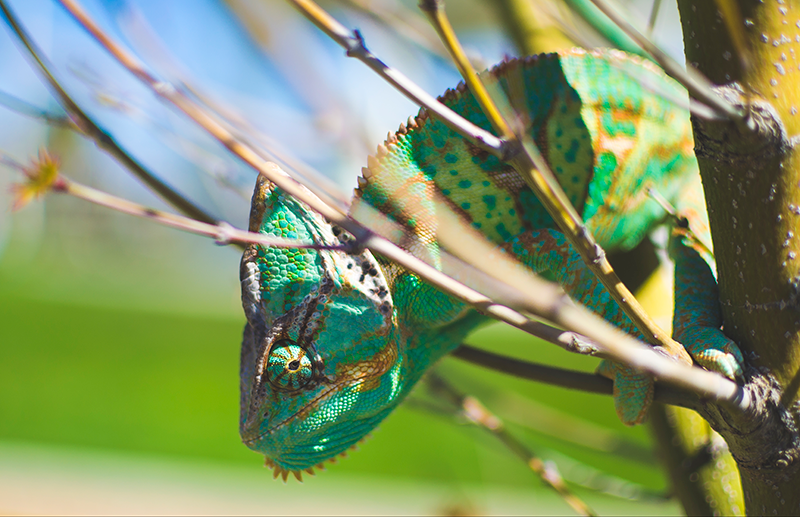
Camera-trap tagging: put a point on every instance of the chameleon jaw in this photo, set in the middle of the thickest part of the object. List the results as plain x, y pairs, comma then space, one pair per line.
253, 439
277, 470
249, 423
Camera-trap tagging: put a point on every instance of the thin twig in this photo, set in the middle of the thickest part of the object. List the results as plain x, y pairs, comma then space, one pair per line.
548, 303
22, 107
651, 21
354, 45
570, 379
580, 432
222, 233
699, 87
404, 22
735, 24
475, 412
88, 127
240, 127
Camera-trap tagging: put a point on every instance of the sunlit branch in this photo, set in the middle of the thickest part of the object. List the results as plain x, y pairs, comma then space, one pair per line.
354, 45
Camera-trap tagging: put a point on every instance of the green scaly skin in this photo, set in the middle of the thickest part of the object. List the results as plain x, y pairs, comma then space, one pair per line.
334, 342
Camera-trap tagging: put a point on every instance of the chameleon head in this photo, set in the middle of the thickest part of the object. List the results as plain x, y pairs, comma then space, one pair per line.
320, 365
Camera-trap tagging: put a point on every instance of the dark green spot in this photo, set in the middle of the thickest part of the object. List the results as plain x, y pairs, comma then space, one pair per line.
429, 171
454, 172
465, 206
504, 233
450, 158
571, 155
465, 183
491, 202
485, 183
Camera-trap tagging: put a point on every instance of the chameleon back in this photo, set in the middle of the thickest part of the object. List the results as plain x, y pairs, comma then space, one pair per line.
599, 120
334, 342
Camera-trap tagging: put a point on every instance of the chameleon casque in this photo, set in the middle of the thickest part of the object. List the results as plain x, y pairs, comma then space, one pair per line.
334, 342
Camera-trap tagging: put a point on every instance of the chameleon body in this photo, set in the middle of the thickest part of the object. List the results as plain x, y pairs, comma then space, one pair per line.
334, 341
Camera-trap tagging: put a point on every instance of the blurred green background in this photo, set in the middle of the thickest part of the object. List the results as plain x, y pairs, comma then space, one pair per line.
119, 339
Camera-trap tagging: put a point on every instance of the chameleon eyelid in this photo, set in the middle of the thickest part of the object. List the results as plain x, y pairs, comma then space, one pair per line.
290, 366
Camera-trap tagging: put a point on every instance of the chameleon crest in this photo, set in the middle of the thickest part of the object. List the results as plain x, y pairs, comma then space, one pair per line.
334, 342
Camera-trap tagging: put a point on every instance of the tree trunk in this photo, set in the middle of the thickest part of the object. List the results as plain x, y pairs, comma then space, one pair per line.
750, 176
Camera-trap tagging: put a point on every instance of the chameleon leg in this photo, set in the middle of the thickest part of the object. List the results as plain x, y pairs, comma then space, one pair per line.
697, 318
547, 252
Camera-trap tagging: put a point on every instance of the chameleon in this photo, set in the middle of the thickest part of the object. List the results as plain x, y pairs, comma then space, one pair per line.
334, 341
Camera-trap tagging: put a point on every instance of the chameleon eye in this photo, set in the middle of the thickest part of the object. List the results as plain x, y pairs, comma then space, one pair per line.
288, 366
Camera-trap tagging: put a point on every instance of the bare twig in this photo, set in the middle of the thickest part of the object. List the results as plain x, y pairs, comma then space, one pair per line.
651, 21
571, 379
88, 127
29, 110
699, 87
354, 45
404, 22
475, 412
268, 148
222, 233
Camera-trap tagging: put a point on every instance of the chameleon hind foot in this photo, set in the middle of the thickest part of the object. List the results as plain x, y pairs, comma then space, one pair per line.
698, 318
633, 391
713, 351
